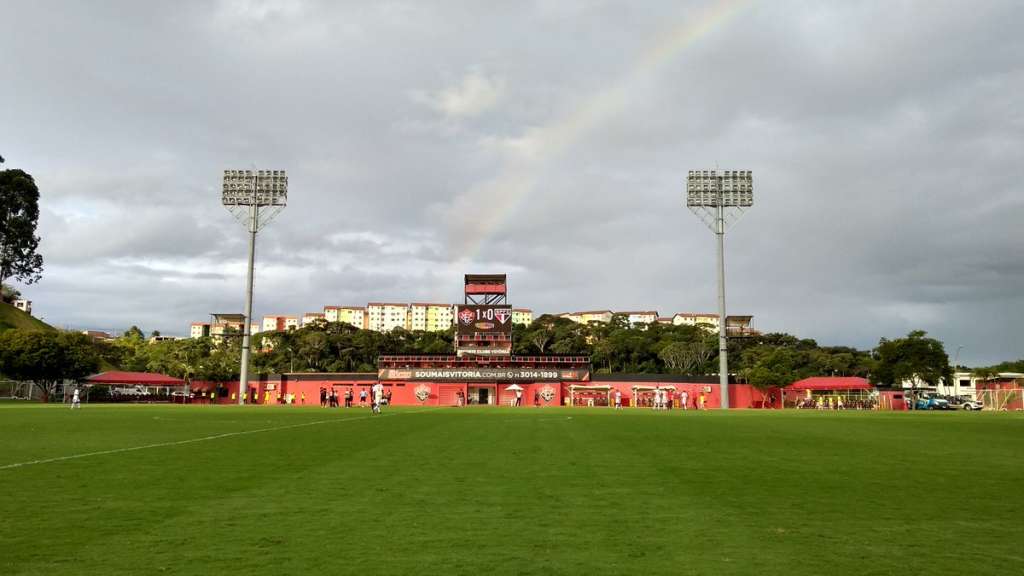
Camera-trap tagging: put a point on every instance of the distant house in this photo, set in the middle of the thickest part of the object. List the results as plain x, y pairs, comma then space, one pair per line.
24, 305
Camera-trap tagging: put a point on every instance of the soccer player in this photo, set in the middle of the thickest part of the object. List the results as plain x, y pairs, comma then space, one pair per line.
75, 403
378, 397
618, 400
362, 397
684, 399
519, 398
701, 401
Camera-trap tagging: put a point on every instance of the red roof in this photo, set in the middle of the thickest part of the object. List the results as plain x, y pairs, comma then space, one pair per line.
145, 378
831, 383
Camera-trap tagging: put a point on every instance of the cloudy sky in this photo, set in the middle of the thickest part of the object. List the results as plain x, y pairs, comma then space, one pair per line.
547, 140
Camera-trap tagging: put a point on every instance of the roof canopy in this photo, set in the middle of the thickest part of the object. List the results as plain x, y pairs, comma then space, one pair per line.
144, 378
831, 383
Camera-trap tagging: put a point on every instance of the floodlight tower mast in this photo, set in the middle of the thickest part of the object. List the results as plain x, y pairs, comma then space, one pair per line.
254, 198
719, 200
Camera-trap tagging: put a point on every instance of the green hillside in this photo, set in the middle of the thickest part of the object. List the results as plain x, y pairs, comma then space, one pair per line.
11, 317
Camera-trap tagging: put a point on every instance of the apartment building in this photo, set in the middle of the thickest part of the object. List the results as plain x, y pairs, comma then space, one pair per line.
641, 317
351, 315
310, 317
589, 316
199, 330
430, 317
279, 323
385, 316
24, 305
523, 316
695, 318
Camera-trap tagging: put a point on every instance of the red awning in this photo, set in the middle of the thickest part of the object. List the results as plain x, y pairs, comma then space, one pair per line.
831, 383
143, 378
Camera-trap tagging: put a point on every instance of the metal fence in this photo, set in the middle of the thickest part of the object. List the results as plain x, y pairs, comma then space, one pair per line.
15, 390
1003, 399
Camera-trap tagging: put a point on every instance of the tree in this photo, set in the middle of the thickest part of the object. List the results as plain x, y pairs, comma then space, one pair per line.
915, 358
46, 358
8, 294
19, 215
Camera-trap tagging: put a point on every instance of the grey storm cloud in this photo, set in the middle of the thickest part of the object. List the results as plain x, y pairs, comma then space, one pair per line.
548, 140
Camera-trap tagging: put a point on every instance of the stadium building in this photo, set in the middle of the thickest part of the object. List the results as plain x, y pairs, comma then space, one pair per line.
482, 370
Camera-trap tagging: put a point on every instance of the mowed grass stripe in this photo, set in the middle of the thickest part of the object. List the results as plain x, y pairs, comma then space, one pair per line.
104, 423
546, 491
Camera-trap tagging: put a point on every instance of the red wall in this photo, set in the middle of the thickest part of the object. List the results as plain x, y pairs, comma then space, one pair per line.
443, 393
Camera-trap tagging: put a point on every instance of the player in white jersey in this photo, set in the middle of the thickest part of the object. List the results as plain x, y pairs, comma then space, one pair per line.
378, 396
75, 403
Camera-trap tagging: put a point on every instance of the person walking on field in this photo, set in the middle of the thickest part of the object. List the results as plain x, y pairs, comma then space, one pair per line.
700, 401
684, 399
348, 398
519, 398
378, 397
75, 402
362, 397
618, 400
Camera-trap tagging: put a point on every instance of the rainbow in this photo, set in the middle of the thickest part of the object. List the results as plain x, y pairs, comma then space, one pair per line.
529, 155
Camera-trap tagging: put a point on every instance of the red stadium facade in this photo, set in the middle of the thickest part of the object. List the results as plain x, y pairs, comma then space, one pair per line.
436, 386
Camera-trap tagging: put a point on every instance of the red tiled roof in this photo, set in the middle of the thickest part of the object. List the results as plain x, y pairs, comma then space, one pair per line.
831, 383
145, 378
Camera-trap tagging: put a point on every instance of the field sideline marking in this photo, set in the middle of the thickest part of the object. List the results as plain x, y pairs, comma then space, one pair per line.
203, 439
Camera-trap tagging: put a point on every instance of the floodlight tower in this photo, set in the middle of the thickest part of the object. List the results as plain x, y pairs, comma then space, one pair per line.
719, 200
254, 198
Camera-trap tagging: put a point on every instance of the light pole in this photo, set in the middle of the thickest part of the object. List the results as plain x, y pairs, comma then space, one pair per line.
956, 379
719, 200
254, 198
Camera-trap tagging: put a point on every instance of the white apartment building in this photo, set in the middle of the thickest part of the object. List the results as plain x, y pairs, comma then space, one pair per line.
279, 323
523, 316
641, 318
24, 305
695, 318
199, 330
384, 316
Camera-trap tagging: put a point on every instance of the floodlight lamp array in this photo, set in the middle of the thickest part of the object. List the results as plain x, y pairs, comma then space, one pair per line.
255, 188
708, 188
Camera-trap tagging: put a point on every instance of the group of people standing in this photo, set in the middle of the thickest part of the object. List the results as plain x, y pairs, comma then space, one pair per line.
662, 399
378, 397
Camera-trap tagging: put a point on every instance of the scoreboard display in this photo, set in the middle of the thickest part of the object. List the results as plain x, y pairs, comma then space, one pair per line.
473, 319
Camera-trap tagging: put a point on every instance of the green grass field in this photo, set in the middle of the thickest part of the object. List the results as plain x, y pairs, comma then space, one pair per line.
505, 491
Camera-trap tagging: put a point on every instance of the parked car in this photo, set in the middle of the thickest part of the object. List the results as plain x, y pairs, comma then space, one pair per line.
971, 405
933, 403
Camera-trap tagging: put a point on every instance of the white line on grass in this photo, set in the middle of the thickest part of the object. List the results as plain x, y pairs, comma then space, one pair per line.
203, 439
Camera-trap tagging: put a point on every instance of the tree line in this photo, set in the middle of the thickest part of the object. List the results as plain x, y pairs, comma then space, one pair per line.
769, 360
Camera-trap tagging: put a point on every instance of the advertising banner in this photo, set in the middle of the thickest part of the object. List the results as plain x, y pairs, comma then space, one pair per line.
484, 374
